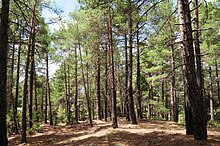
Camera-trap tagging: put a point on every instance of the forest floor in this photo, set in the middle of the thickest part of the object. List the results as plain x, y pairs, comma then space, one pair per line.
146, 133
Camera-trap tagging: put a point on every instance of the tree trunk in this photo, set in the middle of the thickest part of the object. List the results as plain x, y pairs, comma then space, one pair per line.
66, 92
122, 96
139, 104
48, 88
85, 88
187, 108
111, 69
17, 85
25, 89
42, 103
127, 114
3, 69
211, 94
35, 91
217, 81
174, 100
76, 87
130, 88
31, 85
192, 89
200, 77
12, 83
25, 94
150, 97
32, 77
166, 100
46, 103
98, 102
106, 85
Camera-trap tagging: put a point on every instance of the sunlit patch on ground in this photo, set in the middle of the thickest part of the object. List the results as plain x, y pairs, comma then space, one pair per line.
146, 133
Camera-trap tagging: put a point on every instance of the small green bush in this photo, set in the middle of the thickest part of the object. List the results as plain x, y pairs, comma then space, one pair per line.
214, 123
36, 127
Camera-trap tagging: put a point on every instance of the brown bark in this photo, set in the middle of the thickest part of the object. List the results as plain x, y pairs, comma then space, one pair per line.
25, 90
25, 94
35, 91
68, 90
187, 108
174, 100
127, 114
111, 69
150, 97
166, 99
12, 84
85, 88
3, 69
217, 81
66, 93
46, 103
192, 89
48, 88
98, 97
162, 95
211, 100
139, 101
200, 76
130, 88
17, 86
106, 86
76, 86
31, 82
42, 103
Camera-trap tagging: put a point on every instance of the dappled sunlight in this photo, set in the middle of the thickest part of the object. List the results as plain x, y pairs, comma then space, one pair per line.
146, 133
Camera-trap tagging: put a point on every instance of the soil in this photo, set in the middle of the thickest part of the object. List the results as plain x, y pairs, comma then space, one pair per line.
146, 133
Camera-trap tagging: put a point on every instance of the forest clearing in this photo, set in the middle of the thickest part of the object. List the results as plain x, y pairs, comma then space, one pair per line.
137, 72
146, 133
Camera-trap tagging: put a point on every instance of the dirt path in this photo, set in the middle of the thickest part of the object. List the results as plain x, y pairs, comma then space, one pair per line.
146, 133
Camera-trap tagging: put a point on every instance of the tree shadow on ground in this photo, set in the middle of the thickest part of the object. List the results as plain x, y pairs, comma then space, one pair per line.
148, 139
105, 135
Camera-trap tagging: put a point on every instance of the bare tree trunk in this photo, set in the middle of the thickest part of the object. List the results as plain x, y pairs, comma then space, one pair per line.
187, 107
211, 94
42, 104
217, 81
31, 85
166, 100
85, 88
150, 97
127, 113
48, 88
3, 69
76, 86
174, 100
111, 69
12, 84
46, 103
66, 92
195, 97
121, 95
139, 104
35, 90
17, 85
106, 86
25, 90
98, 102
25, 94
200, 76
130, 88
162, 95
